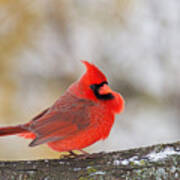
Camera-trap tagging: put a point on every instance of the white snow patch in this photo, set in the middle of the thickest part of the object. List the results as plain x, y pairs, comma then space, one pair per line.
88, 167
134, 160
98, 173
61, 162
77, 169
125, 162
154, 156
176, 175
46, 160
116, 162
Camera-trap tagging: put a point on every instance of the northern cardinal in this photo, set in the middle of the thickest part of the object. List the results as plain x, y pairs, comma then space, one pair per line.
79, 118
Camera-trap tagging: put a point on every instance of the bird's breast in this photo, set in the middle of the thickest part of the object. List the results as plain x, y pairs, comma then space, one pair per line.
103, 118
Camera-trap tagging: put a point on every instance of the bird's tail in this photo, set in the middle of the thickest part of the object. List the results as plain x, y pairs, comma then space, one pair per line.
12, 130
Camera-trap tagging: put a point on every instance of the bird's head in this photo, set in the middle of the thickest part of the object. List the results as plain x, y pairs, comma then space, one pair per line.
93, 85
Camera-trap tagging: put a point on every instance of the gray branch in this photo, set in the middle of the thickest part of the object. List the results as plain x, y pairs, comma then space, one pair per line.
155, 162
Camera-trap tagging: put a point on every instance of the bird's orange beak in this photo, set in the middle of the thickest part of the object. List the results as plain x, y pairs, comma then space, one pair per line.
105, 89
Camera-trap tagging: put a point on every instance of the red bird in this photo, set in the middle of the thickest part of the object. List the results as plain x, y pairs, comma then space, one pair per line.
79, 118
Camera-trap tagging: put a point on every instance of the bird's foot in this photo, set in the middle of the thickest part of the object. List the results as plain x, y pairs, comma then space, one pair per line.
82, 155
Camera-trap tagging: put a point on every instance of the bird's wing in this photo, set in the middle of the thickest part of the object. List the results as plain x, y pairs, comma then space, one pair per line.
66, 117
41, 114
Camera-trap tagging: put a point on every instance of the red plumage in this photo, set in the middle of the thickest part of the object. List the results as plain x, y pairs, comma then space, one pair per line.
79, 118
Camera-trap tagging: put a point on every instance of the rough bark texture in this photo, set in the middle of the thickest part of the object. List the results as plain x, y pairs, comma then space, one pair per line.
155, 162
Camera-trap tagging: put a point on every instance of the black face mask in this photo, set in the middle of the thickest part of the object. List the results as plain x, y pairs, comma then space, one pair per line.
96, 87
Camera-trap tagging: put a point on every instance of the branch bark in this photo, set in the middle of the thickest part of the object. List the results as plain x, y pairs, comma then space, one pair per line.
154, 162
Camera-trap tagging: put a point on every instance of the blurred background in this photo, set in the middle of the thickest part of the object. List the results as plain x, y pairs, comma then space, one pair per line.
135, 42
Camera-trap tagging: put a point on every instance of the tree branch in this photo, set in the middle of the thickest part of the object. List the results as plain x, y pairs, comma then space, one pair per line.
159, 161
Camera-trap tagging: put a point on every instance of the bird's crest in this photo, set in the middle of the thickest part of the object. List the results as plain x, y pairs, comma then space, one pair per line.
93, 75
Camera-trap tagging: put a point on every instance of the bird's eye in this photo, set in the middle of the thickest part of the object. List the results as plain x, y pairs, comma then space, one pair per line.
93, 87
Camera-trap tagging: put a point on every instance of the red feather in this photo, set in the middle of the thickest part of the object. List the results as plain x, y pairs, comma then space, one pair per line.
77, 119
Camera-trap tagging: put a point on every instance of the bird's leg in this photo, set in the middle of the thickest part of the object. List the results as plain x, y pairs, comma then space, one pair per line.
73, 154
76, 154
70, 154
83, 154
